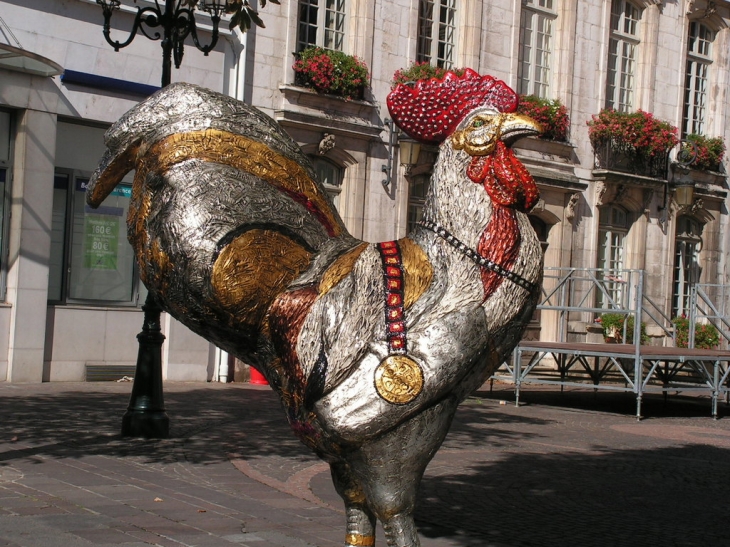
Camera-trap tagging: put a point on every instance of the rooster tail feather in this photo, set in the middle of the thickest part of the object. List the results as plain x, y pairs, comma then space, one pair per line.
226, 212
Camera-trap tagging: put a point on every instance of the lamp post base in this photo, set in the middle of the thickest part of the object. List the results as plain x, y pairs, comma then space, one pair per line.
145, 416
150, 425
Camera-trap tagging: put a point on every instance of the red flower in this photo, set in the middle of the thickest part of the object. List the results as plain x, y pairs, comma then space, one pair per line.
331, 72
551, 114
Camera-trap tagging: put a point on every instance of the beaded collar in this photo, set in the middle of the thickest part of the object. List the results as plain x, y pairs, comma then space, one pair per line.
479, 259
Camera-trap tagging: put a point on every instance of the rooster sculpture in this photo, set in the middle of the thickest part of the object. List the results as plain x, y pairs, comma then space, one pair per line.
371, 346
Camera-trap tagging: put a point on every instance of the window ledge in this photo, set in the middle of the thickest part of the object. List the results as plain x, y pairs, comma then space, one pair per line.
710, 178
308, 109
545, 149
550, 162
609, 175
101, 307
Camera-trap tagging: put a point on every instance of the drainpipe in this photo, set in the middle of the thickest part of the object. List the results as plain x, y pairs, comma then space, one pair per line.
234, 79
235, 65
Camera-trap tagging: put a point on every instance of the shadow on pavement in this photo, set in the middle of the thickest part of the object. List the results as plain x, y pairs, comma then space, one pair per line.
210, 423
654, 405
504, 492
669, 496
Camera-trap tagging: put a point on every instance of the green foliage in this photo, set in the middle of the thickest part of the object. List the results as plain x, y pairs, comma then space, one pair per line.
613, 326
331, 72
706, 335
551, 114
421, 71
705, 153
242, 14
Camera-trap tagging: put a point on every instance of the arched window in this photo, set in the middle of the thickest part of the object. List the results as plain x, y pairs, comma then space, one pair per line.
417, 189
686, 263
622, 55
613, 226
330, 175
322, 23
436, 32
537, 30
699, 52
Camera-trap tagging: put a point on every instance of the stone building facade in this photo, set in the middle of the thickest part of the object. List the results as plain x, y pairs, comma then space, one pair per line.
666, 58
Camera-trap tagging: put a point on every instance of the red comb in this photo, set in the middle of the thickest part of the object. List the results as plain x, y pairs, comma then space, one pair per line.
430, 110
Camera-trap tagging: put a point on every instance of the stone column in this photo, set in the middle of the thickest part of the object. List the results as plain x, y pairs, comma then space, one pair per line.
30, 243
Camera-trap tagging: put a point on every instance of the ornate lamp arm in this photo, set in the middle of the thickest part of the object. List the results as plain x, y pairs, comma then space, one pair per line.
149, 16
215, 19
175, 22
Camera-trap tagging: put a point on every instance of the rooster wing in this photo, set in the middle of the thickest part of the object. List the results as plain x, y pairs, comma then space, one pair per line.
225, 214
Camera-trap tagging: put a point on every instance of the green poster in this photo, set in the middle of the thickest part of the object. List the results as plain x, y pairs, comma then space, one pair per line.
102, 239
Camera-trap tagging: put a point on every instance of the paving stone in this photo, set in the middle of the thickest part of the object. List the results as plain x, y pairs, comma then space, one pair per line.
563, 470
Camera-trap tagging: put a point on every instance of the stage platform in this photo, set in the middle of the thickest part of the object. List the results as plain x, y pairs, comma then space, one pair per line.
619, 367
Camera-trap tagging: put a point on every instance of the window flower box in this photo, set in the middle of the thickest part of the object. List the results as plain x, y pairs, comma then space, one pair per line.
331, 72
702, 153
706, 335
613, 328
551, 114
421, 71
633, 142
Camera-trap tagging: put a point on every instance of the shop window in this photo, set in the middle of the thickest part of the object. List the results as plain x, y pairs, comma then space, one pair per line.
417, 190
5, 157
436, 39
321, 23
613, 227
91, 260
699, 51
330, 175
537, 27
686, 263
622, 55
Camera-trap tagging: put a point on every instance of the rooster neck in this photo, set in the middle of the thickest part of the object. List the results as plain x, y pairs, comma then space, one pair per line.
454, 201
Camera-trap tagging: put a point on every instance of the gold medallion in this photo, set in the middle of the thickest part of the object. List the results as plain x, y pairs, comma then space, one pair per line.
398, 379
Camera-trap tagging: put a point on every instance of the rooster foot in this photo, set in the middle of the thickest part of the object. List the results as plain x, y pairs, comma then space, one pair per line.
360, 527
400, 531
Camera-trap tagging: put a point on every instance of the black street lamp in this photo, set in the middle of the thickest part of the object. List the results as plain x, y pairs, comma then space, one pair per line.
145, 416
176, 22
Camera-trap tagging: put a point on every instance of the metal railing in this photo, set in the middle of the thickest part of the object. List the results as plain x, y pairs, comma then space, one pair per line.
710, 304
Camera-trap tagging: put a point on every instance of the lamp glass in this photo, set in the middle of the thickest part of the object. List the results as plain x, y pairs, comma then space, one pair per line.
684, 195
214, 6
109, 4
409, 151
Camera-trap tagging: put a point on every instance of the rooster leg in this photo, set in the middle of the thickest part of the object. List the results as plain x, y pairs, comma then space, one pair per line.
360, 520
390, 469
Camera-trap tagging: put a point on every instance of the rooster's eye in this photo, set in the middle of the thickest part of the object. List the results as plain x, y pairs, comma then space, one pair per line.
478, 123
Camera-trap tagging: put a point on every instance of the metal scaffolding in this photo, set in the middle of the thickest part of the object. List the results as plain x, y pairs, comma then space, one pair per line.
574, 298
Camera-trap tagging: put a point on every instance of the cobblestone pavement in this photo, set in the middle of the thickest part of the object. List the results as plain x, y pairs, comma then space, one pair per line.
575, 469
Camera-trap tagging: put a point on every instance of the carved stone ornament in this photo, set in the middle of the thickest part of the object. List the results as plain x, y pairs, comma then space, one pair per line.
326, 144
697, 206
570, 208
601, 189
371, 347
709, 10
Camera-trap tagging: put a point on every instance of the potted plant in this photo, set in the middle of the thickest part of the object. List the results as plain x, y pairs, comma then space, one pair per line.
331, 72
706, 335
550, 113
636, 141
703, 153
421, 71
613, 328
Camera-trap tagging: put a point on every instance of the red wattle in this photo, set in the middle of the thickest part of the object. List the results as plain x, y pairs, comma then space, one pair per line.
500, 243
